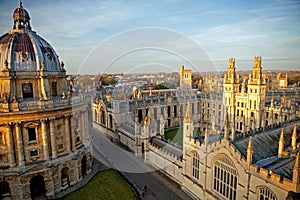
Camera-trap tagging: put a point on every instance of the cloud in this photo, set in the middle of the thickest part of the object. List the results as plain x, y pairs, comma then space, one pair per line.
242, 29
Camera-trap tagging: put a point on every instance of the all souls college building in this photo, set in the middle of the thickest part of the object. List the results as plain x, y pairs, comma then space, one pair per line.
44, 145
248, 146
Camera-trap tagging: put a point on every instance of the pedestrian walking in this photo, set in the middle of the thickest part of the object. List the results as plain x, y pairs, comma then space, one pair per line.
143, 192
145, 188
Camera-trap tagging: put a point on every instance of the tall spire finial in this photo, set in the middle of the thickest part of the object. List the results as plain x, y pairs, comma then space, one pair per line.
226, 125
20, 4
206, 134
250, 151
296, 170
281, 144
294, 138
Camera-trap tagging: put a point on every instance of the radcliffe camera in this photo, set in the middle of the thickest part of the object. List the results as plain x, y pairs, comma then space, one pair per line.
149, 100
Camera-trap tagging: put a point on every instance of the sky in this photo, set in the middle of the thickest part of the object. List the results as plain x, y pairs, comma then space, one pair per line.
99, 36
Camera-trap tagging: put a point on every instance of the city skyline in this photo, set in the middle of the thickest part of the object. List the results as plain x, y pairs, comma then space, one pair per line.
221, 29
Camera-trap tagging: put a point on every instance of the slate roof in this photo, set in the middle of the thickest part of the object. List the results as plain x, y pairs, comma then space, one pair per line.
167, 147
265, 151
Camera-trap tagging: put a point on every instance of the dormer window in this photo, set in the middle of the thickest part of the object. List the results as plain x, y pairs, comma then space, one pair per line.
24, 56
49, 55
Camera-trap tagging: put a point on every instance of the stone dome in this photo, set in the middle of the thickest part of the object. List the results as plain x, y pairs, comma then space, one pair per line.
21, 49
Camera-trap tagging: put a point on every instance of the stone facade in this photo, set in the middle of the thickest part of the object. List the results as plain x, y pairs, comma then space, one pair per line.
241, 151
44, 127
220, 169
249, 106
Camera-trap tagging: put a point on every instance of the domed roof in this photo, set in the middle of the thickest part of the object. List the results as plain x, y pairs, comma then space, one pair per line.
21, 49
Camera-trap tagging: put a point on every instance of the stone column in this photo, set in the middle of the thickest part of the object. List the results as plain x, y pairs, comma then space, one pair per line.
67, 134
82, 127
53, 138
87, 123
19, 145
73, 136
11, 154
45, 139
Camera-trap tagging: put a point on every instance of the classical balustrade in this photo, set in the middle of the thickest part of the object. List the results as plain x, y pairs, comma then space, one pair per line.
36, 104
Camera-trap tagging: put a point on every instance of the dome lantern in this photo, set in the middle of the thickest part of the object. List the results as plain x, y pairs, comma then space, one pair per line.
21, 18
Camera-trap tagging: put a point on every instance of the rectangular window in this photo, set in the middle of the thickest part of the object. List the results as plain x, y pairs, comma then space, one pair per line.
54, 88
3, 157
175, 111
31, 134
27, 90
60, 147
34, 153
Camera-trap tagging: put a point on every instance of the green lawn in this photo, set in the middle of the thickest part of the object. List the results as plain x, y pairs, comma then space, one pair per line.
175, 135
104, 185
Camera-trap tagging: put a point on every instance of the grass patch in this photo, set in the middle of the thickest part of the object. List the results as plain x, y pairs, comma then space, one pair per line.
176, 135
104, 185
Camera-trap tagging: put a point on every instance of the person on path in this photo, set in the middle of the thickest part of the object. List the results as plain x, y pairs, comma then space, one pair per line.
143, 192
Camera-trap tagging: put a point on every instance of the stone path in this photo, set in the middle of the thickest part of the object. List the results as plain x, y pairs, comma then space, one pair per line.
135, 170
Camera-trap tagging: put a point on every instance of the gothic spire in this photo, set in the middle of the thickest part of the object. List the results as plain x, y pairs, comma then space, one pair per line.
250, 151
281, 144
294, 138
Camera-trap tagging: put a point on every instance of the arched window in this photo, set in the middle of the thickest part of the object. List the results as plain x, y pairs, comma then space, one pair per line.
103, 117
65, 177
225, 178
265, 194
195, 165
175, 111
110, 121
4, 190
140, 115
